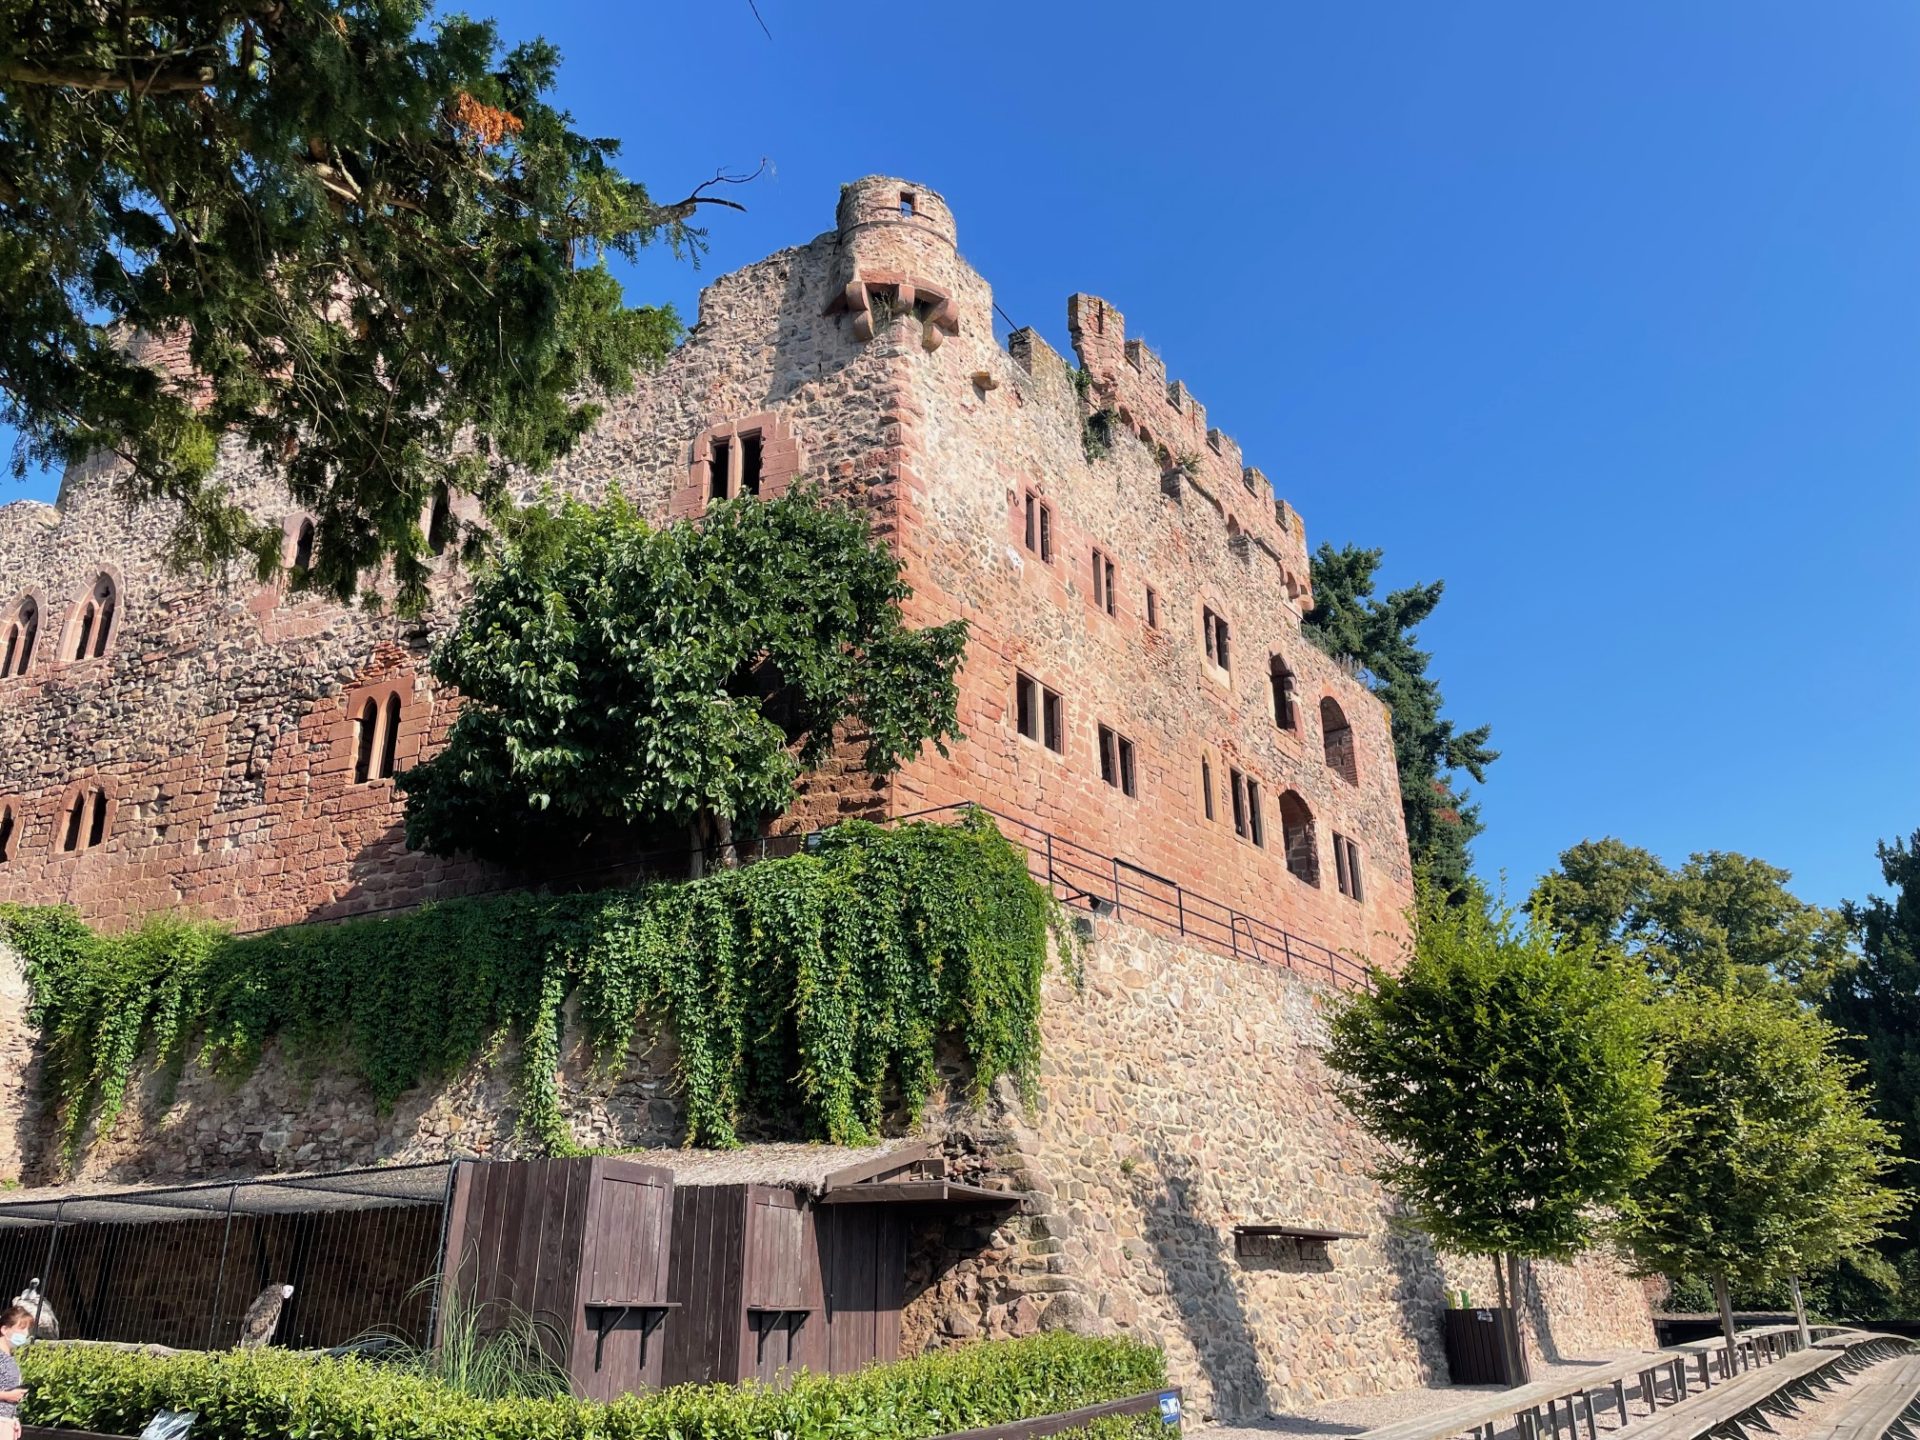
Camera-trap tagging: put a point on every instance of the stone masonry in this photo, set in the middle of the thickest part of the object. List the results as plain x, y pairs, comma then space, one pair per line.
1139, 705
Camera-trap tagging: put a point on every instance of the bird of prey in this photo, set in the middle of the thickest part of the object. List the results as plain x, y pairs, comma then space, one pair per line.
257, 1325
45, 1326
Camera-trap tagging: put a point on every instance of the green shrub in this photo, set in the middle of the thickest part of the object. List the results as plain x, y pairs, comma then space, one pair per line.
276, 1394
812, 987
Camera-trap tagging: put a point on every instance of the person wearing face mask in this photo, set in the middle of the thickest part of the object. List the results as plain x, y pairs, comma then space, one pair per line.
16, 1329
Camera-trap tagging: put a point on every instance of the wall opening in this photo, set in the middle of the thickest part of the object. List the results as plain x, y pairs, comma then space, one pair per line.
1153, 609
390, 740
440, 521
1039, 527
1206, 787
1037, 713
365, 730
750, 464
21, 636
906, 204
1213, 630
303, 550
6, 833
1296, 829
86, 820
720, 462
95, 625
1346, 860
1116, 760
1336, 735
1285, 715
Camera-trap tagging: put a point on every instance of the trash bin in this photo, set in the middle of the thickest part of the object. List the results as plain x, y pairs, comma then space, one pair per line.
1478, 1347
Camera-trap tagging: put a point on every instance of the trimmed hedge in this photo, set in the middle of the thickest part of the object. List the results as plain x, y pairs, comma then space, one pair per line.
283, 1395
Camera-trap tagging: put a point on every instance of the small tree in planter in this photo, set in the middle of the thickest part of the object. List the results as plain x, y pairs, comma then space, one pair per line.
1767, 1163
615, 674
1508, 1074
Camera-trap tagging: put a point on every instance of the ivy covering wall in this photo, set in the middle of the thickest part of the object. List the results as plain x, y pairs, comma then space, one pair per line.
813, 987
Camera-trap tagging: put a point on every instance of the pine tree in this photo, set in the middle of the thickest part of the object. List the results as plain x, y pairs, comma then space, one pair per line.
378, 243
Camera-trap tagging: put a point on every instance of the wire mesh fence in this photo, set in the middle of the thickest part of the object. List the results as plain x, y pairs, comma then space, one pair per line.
183, 1265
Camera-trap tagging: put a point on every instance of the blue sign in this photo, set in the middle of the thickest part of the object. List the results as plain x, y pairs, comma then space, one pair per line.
1169, 1407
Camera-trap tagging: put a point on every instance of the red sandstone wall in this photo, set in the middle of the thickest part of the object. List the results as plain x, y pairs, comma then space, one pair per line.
220, 722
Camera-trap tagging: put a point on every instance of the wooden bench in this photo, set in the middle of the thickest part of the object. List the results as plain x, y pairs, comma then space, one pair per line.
1482, 1415
1882, 1405
1741, 1404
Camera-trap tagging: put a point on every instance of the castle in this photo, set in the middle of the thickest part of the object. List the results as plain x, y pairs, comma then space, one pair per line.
1139, 705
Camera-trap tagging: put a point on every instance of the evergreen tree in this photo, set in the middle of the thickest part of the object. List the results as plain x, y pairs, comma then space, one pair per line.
615, 674
1347, 620
380, 244
1720, 919
1876, 1003
1507, 1073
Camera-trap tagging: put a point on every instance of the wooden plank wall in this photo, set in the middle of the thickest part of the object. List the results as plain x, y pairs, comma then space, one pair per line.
514, 1240
626, 1249
704, 1278
863, 1252
784, 1323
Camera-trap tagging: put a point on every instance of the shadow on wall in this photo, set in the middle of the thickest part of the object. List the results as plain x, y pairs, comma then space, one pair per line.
1195, 1259
1539, 1316
1420, 1290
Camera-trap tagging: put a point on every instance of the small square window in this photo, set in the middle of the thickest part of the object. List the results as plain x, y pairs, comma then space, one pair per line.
1116, 761
907, 203
1037, 713
1213, 628
1038, 535
1103, 597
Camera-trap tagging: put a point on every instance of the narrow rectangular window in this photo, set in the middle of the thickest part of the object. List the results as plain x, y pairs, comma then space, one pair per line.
78, 813
1153, 609
1056, 739
750, 464
1206, 786
1046, 533
97, 831
1207, 619
1221, 657
1340, 863
1239, 783
1112, 606
1255, 831
717, 469
1026, 693
1127, 782
1109, 756
1101, 569
1032, 540
1353, 871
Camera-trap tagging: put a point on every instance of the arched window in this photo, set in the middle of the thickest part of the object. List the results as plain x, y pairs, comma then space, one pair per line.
303, 550
21, 635
1296, 829
1337, 736
1284, 714
6, 833
86, 820
390, 740
95, 627
366, 729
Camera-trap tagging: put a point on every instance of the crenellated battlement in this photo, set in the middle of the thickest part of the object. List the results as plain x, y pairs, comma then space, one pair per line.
1128, 380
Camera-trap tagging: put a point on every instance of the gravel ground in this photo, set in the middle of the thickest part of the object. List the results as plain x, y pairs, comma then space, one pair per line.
1350, 1417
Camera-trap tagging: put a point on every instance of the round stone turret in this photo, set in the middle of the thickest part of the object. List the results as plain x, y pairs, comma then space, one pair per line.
904, 213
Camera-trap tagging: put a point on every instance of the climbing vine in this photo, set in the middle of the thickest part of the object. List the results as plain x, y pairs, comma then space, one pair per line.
813, 987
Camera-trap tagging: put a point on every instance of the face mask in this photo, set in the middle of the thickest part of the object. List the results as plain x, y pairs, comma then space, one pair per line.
21, 1340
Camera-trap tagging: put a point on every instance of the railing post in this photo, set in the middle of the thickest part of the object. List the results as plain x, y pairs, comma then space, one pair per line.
1180, 903
1049, 835
1116, 885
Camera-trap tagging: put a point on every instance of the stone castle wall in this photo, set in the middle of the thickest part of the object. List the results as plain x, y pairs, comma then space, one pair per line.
1181, 1094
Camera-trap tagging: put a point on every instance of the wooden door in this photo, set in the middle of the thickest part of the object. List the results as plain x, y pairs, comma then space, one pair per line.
622, 1313
785, 1328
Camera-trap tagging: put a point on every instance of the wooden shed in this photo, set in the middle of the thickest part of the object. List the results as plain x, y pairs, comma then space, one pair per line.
579, 1245
790, 1256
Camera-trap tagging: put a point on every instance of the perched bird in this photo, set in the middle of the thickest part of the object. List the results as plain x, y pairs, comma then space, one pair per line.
45, 1327
257, 1325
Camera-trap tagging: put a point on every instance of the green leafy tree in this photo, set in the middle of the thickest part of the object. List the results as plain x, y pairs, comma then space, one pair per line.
1720, 919
1507, 1073
1767, 1164
687, 675
1876, 1003
1346, 620
381, 245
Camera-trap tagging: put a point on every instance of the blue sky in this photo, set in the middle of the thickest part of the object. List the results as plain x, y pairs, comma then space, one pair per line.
1609, 316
